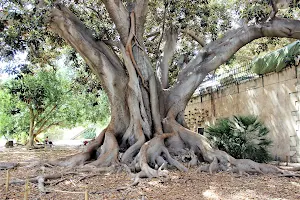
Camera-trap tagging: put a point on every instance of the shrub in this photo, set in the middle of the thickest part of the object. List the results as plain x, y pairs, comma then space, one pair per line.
89, 133
241, 137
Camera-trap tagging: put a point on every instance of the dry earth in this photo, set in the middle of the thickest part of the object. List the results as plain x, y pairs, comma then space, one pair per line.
178, 185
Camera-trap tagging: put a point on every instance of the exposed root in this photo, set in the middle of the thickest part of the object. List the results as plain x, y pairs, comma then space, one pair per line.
93, 169
219, 160
74, 160
172, 161
109, 151
71, 161
160, 161
152, 158
146, 170
45, 178
194, 159
133, 150
245, 166
155, 153
8, 165
212, 168
290, 168
160, 173
41, 184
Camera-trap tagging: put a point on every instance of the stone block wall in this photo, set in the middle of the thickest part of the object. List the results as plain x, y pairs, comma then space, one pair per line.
273, 97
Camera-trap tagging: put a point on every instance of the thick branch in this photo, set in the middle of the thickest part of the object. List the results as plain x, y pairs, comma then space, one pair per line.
169, 49
104, 63
141, 9
218, 52
129, 46
193, 35
41, 129
222, 49
46, 116
69, 27
274, 9
120, 17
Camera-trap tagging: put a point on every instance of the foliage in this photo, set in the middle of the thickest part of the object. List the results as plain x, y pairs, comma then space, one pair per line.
48, 98
89, 133
11, 120
241, 137
277, 60
23, 27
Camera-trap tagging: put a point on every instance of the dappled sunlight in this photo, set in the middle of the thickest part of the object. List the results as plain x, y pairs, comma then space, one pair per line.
295, 184
249, 193
257, 187
178, 185
252, 102
156, 183
211, 194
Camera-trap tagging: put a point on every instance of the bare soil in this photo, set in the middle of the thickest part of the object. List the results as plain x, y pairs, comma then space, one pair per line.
178, 185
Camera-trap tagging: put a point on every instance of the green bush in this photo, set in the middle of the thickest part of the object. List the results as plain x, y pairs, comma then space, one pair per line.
89, 133
241, 137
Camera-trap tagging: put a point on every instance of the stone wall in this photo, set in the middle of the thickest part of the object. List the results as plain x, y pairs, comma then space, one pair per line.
273, 97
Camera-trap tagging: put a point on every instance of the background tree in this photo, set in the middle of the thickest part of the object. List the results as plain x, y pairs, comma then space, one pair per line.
12, 123
133, 48
36, 101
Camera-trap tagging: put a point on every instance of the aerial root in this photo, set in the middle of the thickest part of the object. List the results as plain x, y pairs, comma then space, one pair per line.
127, 157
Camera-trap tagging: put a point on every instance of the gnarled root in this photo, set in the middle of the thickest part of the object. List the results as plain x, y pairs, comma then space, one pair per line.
127, 157
8, 165
219, 160
71, 161
109, 151
155, 153
194, 159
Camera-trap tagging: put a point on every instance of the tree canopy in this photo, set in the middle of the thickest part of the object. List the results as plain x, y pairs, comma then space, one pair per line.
34, 101
23, 27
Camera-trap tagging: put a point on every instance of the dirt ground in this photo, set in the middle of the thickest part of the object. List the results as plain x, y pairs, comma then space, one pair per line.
190, 185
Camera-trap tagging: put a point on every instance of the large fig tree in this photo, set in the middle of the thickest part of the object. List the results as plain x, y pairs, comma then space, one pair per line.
134, 47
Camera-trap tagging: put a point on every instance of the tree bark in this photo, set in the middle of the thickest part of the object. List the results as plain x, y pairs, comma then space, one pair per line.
31, 128
147, 119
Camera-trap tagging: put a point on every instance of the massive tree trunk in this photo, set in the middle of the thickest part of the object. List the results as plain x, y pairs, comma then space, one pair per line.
147, 124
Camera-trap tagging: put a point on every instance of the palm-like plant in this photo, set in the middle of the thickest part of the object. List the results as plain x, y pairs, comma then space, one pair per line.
242, 137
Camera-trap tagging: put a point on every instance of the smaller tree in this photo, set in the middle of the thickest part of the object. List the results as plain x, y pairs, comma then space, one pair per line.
89, 133
12, 123
45, 99
242, 137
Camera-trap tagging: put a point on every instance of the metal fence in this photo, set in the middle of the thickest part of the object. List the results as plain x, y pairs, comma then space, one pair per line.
214, 82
